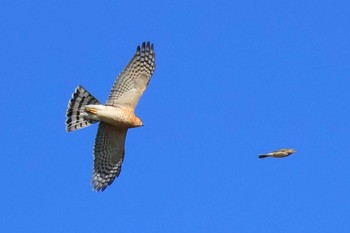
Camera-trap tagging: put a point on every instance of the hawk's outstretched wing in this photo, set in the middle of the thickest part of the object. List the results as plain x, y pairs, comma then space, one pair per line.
133, 80
108, 155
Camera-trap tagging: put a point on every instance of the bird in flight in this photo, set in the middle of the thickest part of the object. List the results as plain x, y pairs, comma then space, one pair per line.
115, 117
278, 153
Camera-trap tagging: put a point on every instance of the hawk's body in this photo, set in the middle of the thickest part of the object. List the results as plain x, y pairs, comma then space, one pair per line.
116, 117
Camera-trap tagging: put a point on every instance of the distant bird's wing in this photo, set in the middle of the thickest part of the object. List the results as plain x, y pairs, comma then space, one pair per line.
133, 80
108, 155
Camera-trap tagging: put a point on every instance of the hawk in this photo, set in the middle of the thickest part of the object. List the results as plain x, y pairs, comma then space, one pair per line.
115, 117
278, 153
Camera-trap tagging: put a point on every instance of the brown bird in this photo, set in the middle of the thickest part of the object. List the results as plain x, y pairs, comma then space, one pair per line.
278, 153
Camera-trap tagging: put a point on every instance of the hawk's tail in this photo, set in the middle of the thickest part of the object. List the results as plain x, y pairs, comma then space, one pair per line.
75, 110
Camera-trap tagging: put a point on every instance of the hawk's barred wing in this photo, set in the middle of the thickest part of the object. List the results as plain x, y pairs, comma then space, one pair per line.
133, 80
108, 155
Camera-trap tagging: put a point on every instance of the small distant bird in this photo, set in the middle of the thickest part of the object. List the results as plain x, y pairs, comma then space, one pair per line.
115, 117
278, 153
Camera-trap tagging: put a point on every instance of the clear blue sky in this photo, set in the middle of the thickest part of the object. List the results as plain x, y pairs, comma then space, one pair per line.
233, 79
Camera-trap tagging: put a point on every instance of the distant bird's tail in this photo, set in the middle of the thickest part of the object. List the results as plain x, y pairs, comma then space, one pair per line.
263, 156
75, 111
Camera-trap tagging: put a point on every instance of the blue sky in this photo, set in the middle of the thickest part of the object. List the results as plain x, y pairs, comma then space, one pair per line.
233, 79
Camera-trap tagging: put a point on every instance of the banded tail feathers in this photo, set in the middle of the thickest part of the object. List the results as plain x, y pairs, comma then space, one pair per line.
76, 109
